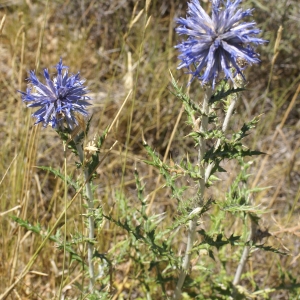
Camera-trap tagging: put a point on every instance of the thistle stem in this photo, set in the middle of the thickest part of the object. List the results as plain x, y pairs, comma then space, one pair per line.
91, 232
199, 197
243, 260
65, 227
228, 115
242, 263
91, 221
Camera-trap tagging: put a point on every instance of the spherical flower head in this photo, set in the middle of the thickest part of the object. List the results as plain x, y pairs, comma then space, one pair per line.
220, 44
59, 99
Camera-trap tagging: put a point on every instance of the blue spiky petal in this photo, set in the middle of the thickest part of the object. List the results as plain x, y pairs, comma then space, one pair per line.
216, 45
59, 99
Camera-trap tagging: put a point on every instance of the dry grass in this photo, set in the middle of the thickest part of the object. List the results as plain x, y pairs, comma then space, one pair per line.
116, 53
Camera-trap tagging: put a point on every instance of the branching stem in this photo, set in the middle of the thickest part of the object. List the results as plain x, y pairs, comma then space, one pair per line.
244, 258
91, 221
199, 196
90, 245
228, 115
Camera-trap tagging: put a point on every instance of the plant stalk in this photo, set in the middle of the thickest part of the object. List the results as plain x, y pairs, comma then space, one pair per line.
199, 197
91, 232
91, 221
243, 260
65, 227
228, 115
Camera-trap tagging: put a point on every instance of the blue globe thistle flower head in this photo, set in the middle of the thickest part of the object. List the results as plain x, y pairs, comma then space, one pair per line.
220, 44
59, 99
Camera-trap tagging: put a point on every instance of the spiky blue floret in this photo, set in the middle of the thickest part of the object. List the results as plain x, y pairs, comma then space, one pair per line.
214, 45
58, 99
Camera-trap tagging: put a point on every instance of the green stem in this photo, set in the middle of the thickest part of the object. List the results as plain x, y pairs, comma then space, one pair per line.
199, 197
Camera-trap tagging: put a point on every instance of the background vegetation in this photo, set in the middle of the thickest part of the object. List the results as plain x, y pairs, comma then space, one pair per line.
117, 48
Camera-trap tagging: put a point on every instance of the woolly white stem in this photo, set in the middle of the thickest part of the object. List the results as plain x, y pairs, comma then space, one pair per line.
90, 245
91, 221
244, 257
241, 265
65, 227
200, 194
224, 128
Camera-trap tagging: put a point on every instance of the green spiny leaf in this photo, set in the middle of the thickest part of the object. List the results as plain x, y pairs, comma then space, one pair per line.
224, 93
57, 173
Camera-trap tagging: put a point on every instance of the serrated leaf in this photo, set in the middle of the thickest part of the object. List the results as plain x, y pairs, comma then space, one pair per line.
57, 173
223, 94
27, 225
54, 238
270, 249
